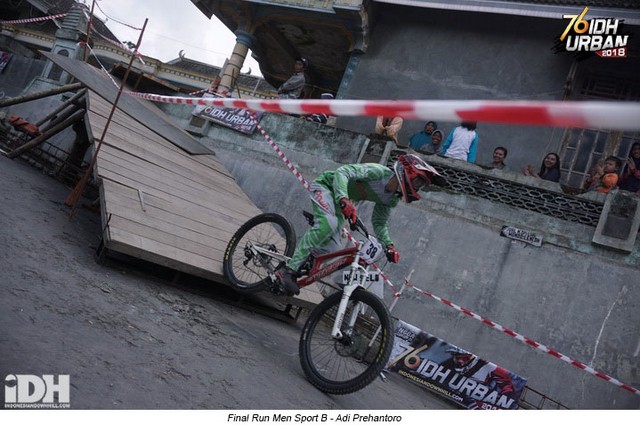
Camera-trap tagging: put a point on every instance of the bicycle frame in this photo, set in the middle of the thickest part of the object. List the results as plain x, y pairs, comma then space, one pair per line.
350, 256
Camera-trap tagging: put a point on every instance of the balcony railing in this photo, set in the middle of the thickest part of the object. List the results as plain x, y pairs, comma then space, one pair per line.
513, 189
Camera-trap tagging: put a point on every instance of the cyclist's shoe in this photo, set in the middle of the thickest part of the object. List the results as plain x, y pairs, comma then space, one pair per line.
287, 278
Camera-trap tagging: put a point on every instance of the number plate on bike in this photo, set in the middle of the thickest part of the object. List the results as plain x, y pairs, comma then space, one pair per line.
374, 276
371, 250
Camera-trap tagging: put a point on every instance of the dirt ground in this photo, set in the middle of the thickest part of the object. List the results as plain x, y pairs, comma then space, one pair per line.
131, 337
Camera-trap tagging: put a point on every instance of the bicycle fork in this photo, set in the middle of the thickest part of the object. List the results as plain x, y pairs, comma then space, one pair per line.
347, 291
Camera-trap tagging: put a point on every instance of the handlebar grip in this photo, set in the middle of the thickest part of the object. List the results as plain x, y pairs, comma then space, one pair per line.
359, 225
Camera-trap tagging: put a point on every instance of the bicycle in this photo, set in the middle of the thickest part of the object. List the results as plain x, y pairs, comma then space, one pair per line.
347, 338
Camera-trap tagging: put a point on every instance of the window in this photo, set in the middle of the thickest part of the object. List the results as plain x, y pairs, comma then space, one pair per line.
581, 149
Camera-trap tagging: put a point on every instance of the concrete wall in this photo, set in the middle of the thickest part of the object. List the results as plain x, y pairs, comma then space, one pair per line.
18, 74
430, 54
581, 303
22, 76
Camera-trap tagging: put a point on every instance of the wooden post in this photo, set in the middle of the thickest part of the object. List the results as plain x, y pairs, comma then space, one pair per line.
76, 193
40, 95
57, 110
63, 116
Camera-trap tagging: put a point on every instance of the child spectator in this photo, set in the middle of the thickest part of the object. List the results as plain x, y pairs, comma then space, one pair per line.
499, 154
462, 142
630, 178
549, 169
604, 177
422, 138
389, 126
435, 147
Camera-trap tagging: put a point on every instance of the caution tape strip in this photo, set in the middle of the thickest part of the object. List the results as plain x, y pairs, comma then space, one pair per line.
40, 19
583, 114
530, 342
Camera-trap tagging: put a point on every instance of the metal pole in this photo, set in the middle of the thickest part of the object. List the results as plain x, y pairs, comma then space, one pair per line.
86, 47
76, 193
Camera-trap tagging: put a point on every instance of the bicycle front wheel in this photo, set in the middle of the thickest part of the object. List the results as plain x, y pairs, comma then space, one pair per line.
348, 364
245, 269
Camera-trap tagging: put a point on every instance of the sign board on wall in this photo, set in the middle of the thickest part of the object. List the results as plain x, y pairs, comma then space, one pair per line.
238, 119
452, 372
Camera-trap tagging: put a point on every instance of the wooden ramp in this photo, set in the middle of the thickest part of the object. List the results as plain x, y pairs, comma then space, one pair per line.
164, 205
164, 196
160, 203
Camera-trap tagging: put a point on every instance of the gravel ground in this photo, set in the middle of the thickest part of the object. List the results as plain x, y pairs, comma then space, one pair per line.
129, 336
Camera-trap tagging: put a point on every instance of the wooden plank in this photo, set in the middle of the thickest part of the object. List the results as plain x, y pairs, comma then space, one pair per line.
144, 112
196, 213
182, 177
159, 152
182, 249
158, 253
225, 206
213, 235
100, 107
194, 174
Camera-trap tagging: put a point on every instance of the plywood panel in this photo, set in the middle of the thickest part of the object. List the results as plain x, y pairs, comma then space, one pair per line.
159, 202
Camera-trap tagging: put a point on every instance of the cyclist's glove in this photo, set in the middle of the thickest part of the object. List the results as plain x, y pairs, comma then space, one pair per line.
348, 210
392, 255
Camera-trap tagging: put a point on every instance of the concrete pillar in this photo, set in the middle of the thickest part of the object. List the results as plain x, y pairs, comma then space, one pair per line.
619, 221
231, 71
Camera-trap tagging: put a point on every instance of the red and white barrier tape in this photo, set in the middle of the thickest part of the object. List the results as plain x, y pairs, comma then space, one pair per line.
282, 156
583, 114
530, 342
40, 19
517, 336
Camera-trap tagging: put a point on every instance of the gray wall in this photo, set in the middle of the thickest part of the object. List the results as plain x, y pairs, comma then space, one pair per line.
427, 54
18, 74
583, 304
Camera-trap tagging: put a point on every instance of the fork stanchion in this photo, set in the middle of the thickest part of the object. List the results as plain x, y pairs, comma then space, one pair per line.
396, 296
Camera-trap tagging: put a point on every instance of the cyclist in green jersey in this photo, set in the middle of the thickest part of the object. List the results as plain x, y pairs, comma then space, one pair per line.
332, 194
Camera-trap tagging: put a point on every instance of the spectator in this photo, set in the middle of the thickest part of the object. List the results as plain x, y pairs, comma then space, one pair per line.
435, 147
604, 177
499, 154
422, 138
462, 142
389, 126
292, 88
630, 178
321, 118
549, 169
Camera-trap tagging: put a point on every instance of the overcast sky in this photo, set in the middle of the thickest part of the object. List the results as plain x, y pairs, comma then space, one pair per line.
173, 25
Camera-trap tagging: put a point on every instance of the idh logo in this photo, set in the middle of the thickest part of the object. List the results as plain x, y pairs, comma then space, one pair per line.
602, 36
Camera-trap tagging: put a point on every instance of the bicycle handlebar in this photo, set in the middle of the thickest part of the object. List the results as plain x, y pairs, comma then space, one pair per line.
359, 225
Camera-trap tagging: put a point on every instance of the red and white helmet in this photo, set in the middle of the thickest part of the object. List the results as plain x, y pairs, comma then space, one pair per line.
413, 173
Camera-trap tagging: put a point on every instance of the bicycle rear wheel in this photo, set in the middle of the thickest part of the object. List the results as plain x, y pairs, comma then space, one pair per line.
247, 271
353, 362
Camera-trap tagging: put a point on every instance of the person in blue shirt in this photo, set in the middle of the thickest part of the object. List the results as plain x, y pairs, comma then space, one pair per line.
421, 138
